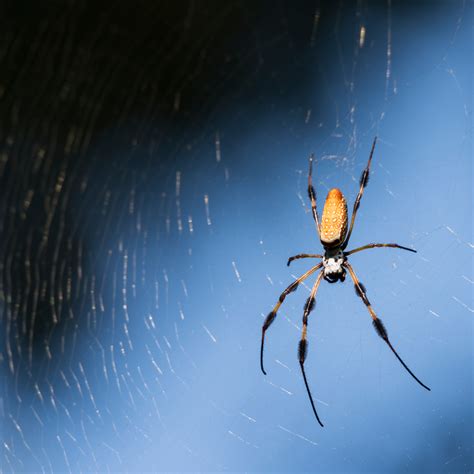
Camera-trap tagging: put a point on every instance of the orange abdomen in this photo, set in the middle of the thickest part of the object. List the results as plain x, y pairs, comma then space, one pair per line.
334, 219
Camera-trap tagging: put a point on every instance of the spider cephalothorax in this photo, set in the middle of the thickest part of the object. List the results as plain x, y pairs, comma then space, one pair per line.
334, 237
333, 262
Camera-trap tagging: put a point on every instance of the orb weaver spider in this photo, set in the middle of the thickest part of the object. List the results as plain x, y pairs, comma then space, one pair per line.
334, 237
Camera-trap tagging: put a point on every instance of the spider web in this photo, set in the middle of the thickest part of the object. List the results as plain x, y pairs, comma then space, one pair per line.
154, 170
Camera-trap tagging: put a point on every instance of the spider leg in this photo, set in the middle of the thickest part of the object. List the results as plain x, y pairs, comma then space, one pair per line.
378, 325
303, 345
364, 179
312, 194
303, 255
371, 246
271, 316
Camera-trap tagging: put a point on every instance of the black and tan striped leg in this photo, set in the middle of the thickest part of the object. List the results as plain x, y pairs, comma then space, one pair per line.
303, 345
378, 325
312, 194
302, 255
271, 316
372, 246
364, 179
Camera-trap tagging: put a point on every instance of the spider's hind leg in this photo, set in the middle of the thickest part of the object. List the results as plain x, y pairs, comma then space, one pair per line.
312, 195
364, 179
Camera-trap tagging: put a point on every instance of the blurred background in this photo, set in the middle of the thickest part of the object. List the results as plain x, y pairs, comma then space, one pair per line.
153, 166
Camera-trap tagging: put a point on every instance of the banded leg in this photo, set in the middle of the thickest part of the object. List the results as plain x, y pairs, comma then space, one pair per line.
312, 194
302, 255
364, 179
271, 316
303, 345
378, 325
372, 246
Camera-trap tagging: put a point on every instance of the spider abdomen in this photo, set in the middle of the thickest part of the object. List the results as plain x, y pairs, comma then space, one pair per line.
334, 220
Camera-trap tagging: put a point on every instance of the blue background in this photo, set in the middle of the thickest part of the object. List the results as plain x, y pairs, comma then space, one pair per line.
161, 369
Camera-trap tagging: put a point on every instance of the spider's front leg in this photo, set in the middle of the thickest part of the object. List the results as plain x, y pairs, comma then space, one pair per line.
378, 325
303, 345
272, 315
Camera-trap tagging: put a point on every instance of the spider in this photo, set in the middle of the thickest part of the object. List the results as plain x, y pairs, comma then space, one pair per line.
334, 237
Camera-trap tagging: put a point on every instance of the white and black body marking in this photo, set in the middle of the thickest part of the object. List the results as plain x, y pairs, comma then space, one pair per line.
333, 265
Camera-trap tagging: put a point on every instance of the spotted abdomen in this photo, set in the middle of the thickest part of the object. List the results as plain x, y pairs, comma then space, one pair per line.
334, 219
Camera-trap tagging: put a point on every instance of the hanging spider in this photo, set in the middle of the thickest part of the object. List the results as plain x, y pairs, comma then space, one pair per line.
334, 237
